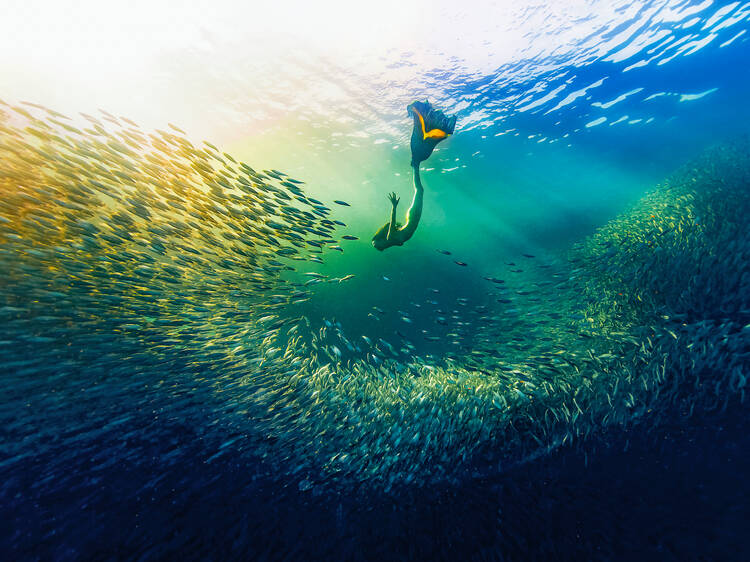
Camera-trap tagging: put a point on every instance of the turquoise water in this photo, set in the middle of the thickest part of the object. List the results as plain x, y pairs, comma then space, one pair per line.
202, 354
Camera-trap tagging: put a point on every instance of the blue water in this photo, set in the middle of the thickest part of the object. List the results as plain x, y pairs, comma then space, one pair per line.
173, 386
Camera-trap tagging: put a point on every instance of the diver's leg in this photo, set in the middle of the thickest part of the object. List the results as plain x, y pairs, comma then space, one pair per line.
415, 211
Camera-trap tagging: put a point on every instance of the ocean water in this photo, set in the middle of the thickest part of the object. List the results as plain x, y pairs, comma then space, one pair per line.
203, 356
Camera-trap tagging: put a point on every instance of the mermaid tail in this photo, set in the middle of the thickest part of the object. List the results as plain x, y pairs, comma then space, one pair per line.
430, 127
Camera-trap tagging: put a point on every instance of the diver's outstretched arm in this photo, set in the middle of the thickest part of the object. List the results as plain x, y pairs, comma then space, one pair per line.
415, 211
394, 202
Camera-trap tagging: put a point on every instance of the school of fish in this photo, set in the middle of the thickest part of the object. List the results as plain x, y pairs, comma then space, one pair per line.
140, 271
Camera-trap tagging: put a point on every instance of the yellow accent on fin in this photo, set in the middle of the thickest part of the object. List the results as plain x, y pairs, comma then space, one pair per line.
434, 133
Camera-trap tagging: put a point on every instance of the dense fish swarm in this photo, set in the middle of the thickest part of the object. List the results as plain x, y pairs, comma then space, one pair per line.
141, 273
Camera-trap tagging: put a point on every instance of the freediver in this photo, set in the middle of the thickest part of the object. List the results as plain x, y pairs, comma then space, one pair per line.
430, 127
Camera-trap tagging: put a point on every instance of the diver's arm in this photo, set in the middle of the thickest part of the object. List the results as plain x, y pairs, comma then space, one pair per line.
392, 225
415, 211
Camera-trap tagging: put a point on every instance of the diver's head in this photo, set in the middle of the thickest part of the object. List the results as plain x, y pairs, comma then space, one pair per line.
380, 239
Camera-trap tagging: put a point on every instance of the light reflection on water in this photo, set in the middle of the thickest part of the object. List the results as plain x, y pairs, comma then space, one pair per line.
228, 71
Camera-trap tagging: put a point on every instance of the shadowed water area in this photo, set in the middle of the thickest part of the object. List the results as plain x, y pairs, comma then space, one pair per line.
202, 354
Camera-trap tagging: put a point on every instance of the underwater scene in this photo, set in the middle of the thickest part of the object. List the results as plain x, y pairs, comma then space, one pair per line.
406, 281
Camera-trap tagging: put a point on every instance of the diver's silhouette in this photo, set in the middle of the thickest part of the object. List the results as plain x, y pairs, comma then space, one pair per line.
430, 127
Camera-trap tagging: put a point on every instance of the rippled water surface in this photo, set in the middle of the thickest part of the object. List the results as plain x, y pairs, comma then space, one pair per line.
202, 355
